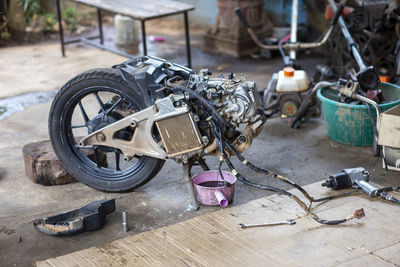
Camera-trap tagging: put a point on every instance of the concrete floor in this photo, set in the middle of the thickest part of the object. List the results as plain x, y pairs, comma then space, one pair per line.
306, 155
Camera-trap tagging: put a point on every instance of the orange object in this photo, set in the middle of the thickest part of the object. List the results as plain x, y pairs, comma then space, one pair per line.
384, 79
288, 72
329, 12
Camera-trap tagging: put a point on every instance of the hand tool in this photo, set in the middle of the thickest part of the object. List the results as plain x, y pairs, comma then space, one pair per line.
290, 222
359, 178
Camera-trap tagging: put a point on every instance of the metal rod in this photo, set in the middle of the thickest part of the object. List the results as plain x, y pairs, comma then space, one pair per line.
290, 222
60, 28
295, 46
349, 38
80, 39
144, 37
293, 29
100, 25
95, 44
374, 104
124, 221
188, 53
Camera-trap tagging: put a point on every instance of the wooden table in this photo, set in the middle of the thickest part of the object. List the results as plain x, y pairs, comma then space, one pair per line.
215, 239
136, 9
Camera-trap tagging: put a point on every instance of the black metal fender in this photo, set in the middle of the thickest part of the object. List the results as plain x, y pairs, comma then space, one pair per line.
146, 74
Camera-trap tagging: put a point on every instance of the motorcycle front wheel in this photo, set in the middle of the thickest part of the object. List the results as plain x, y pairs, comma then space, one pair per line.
88, 102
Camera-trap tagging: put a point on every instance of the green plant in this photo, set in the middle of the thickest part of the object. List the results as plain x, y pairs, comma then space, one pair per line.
32, 9
49, 20
4, 36
69, 15
2, 110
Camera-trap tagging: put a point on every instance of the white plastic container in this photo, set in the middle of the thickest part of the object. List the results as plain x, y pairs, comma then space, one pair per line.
127, 33
290, 80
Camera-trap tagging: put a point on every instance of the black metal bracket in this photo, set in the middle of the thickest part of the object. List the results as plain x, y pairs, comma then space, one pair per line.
88, 218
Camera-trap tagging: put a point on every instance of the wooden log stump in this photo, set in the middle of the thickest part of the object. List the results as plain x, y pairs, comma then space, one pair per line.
43, 167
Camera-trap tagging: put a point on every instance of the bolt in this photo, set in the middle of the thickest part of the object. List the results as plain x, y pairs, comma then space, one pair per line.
100, 137
133, 123
205, 140
126, 159
242, 139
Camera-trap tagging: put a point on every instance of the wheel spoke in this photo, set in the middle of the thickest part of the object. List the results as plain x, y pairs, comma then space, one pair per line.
96, 157
108, 111
99, 101
77, 126
84, 114
117, 168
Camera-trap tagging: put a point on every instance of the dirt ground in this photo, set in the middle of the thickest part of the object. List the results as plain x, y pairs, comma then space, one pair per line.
306, 155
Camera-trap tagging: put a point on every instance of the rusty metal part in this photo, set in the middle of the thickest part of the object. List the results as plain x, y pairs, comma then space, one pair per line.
244, 141
179, 135
211, 148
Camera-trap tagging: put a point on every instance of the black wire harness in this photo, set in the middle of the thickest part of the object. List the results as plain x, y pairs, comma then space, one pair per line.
217, 120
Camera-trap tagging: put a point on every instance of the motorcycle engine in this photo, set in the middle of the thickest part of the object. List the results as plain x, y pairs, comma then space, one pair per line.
235, 98
189, 134
187, 103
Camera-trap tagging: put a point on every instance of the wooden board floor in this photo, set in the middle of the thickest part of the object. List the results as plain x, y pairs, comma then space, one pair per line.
215, 239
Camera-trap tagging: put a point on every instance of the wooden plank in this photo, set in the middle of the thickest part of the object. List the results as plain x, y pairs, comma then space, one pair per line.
367, 260
215, 238
174, 255
390, 254
139, 9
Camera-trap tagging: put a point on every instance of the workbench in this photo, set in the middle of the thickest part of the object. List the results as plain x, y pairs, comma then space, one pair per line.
215, 239
135, 9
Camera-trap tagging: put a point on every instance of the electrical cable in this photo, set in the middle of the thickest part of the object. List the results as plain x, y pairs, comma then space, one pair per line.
275, 189
284, 179
221, 142
204, 101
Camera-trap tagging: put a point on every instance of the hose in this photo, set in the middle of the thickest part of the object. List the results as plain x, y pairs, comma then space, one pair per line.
244, 180
306, 103
215, 122
375, 148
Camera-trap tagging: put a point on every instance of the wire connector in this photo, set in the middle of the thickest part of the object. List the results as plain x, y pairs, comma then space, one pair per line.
359, 213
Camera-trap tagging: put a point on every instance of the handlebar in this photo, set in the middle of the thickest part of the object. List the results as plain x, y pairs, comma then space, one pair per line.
289, 46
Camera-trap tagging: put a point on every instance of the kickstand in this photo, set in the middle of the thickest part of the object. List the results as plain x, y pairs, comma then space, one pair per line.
203, 164
187, 167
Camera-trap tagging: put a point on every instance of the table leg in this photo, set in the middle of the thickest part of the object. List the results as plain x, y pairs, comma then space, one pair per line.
189, 59
60, 29
100, 26
144, 38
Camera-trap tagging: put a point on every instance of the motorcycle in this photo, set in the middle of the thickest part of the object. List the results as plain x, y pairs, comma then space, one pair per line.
114, 128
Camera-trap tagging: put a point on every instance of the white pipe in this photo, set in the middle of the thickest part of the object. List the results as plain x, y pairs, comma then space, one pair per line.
223, 202
293, 30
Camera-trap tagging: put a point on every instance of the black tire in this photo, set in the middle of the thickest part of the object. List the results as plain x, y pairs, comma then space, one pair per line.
61, 131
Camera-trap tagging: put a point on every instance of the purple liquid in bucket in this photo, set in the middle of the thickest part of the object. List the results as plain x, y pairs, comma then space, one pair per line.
211, 190
212, 184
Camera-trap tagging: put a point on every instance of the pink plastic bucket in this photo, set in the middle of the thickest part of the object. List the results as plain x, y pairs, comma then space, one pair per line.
213, 196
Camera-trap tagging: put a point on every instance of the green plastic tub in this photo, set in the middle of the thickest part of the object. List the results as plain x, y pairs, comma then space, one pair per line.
350, 124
